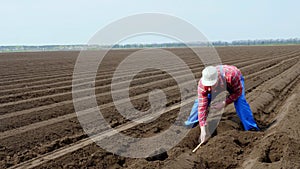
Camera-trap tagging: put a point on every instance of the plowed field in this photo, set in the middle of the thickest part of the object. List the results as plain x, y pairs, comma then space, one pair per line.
39, 127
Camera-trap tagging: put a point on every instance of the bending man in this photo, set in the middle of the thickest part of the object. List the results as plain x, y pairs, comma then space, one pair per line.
221, 78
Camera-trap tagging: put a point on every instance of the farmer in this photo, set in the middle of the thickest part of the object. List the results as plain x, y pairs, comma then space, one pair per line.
213, 80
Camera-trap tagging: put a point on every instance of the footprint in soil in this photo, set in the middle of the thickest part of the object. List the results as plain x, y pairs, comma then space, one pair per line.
272, 154
160, 155
241, 144
186, 161
274, 150
265, 126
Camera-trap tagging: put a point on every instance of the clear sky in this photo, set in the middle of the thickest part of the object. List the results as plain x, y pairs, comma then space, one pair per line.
44, 22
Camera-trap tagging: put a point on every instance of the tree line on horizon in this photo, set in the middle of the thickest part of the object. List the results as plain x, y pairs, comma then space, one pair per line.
290, 41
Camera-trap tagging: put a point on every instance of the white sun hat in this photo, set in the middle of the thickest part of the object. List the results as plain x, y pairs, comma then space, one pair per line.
209, 76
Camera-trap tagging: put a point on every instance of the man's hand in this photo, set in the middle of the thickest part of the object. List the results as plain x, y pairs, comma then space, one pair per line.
203, 135
219, 105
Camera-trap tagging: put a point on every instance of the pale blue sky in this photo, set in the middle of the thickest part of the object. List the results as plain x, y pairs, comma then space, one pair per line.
43, 22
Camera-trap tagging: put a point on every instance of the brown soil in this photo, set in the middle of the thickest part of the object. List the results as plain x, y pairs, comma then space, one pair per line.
39, 127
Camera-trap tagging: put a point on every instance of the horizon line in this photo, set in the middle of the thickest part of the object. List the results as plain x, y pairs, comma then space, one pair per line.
146, 43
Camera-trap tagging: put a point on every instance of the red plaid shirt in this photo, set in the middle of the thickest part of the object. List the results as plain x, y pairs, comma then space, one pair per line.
233, 85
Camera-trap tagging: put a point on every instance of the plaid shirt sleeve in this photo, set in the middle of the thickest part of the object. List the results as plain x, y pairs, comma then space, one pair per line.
202, 104
234, 83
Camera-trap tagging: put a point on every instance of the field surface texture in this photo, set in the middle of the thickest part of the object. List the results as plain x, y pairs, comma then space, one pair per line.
39, 127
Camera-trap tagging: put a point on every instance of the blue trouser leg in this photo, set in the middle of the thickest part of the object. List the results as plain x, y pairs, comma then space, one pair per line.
192, 121
243, 110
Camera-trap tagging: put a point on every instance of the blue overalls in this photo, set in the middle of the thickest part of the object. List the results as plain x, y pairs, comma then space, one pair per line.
241, 106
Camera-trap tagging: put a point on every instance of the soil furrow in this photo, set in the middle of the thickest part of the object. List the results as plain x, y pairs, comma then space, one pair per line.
45, 133
230, 62
66, 85
46, 99
56, 105
29, 118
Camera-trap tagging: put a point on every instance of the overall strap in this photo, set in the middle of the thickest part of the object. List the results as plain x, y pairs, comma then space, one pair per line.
222, 73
